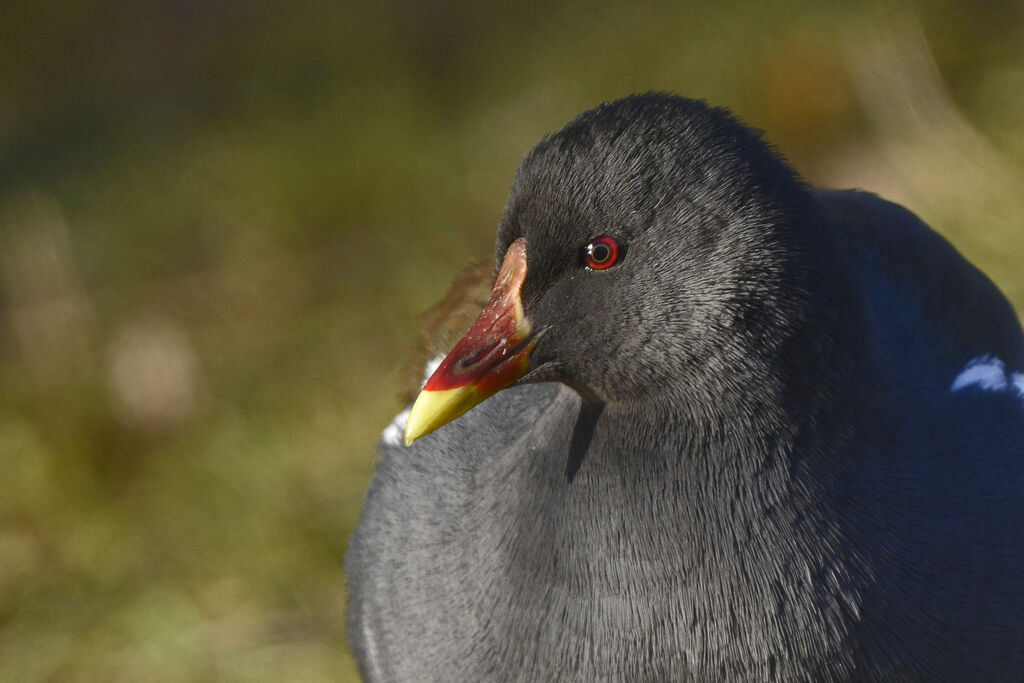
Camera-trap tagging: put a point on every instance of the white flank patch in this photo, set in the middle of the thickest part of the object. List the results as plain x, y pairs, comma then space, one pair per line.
1017, 380
394, 434
989, 373
984, 372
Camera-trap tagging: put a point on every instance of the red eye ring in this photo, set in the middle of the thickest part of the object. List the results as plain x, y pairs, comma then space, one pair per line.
601, 253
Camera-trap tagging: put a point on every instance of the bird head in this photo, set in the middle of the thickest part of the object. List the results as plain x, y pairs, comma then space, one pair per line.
644, 247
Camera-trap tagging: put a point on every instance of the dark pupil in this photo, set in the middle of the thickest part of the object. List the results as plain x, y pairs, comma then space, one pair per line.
600, 252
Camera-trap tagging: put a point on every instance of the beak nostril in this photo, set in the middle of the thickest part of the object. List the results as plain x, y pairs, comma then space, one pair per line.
469, 362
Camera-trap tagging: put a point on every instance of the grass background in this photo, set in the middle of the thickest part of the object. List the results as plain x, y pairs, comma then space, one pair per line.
220, 220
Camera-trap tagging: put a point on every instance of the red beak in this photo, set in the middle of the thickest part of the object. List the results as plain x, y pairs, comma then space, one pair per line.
493, 354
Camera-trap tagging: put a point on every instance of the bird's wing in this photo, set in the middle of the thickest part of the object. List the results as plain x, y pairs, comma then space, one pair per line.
924, 293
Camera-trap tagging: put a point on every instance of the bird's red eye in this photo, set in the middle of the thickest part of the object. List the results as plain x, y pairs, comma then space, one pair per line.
601, 253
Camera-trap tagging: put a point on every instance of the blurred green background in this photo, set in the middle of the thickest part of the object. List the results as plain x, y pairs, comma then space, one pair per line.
219, 222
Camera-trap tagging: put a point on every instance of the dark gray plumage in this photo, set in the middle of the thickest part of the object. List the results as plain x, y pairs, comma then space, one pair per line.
780, 481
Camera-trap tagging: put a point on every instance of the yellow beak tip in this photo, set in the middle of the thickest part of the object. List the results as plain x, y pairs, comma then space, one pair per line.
433, 409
